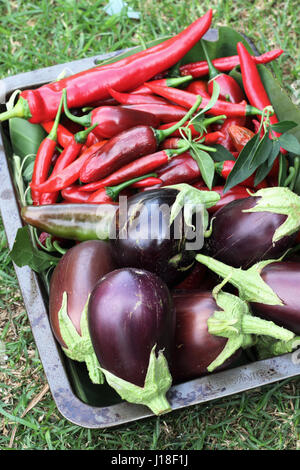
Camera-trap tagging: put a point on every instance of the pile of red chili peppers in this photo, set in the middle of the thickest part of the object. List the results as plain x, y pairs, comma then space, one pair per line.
132, 137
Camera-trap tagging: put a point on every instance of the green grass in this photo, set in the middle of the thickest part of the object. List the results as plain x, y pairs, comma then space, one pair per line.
34, 34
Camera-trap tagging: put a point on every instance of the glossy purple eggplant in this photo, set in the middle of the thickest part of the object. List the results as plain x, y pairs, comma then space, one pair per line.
144, 238
284, 279
241, 239
195, 348
131, 323
76, 274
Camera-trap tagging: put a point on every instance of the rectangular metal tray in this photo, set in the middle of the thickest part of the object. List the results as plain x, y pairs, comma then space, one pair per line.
101, 407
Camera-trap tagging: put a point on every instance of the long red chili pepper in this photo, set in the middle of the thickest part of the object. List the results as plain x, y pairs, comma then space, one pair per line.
127, 147
147, 182
73, 194
230, 90
111, 120
185, 99
68, 155
224, 168
194, 131
44, 156
180, 169
109, 194
177, 142
254, 87
173, 82
164, 112
198, 87
134, 98
70, 174
226, 64
138, 167
41, 104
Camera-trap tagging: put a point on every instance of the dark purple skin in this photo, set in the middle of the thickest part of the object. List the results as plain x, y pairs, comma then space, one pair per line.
152, 253
130, 310
241, 239
284, 278
77, 273
195, 348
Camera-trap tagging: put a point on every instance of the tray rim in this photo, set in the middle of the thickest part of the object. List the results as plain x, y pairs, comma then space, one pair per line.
204, 389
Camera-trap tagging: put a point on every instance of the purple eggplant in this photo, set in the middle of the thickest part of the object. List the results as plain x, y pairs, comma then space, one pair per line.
72, 282
145, 239
284, 280
241, 239
131, 323
194, 347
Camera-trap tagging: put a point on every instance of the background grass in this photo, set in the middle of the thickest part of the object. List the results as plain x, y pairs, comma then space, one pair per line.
34, 34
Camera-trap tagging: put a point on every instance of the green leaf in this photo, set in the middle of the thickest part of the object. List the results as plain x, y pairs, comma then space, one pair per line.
24, 253
25, 136
205, 163
221, 154
242, 169
265, 168
283, 126
290, 143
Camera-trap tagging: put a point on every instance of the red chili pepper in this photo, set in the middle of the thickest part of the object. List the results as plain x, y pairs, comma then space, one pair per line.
127, 147
138, 167
43, 158
180, 169
173, 82
225, 64
164, 112
70, 174
68, 155
224, 128
147, 182
240, 136
230, 90
111, 120
238, 192
198, 87
64, 137
224, 169
254, 87
185, 99
211, 137
134, 98
41, 104
72, 194
108, 195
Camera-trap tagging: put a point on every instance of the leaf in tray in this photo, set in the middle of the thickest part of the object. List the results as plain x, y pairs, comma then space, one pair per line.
205, 163
221, 153
24, 253
290, 143
283, 126
266, 167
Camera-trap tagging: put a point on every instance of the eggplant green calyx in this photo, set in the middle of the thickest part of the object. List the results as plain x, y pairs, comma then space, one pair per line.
192, 201
269, 347
157, 382
251, 286
79, 347
236, 322
279, 200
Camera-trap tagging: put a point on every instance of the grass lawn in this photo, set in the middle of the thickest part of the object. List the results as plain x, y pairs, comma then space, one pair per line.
35, 34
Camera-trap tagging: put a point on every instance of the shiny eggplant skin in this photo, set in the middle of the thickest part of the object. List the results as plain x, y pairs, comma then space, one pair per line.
194, 347
284, 278
76, 274
144, 238
241, 239
130, 310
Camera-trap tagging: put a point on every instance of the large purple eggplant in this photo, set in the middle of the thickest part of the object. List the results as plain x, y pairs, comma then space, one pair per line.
194, 347
284, 280
72, 282
132, 322
256, 228
146, 237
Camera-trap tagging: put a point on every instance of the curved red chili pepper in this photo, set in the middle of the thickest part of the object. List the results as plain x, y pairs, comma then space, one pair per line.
198, 87
41, 104
184, 98
226, 64
64, 137
254, 87
180, 169
134, 98
147, 182
164, 112
72, 194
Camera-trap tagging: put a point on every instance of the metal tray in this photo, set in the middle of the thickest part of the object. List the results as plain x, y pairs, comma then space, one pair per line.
99, 406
